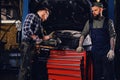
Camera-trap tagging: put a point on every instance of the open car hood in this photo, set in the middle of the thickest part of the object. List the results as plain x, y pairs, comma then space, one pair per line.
66, 20
66, 14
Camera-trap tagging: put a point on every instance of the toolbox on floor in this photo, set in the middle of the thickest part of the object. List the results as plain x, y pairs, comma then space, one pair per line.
66, 64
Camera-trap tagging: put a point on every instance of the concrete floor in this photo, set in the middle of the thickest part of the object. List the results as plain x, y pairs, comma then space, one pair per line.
8, 75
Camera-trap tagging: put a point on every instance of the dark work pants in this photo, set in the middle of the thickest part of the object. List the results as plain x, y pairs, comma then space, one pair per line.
103, 68
39, 65
39, 70
27, 50
34, 65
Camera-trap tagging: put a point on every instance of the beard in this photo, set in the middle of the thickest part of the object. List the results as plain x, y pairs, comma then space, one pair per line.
96, 17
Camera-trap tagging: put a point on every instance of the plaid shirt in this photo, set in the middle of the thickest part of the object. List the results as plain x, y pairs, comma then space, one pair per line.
32, 26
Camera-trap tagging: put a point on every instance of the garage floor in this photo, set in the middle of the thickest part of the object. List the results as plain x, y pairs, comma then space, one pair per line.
8, 75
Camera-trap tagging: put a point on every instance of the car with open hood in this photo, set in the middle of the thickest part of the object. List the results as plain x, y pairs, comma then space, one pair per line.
66, 22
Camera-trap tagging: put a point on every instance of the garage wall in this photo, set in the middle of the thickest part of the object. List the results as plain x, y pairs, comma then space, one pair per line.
9, 37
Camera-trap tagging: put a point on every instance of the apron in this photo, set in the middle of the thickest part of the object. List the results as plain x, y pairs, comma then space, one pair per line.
100, 46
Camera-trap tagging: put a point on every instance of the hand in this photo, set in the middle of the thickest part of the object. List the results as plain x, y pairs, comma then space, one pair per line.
110, 55
51, 34
34, 37
46, 37
79, 49
38, 41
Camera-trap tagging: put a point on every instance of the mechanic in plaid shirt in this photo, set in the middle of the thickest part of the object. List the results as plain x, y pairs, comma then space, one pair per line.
33, 35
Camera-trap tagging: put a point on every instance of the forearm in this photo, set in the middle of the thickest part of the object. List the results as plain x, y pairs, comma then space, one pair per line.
110, 54
112, 35
112, 43
81, 40
34, 37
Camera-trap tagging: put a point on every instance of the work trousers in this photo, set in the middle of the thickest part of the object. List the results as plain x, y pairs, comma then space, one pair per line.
103, 68
27, 50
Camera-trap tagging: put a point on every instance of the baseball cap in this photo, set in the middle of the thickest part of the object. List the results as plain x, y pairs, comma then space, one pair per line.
97, 4
42, 7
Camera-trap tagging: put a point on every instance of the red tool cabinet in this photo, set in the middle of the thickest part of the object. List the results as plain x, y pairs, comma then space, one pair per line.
66, 65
